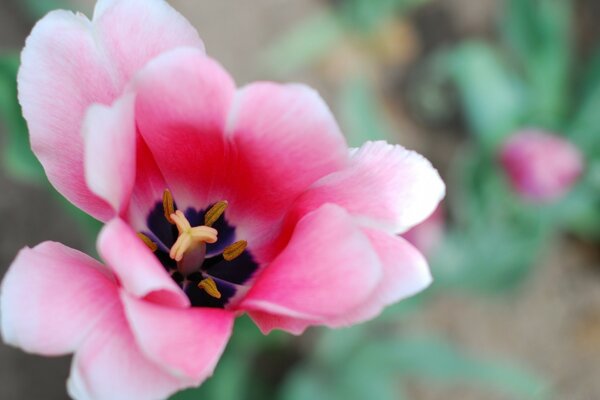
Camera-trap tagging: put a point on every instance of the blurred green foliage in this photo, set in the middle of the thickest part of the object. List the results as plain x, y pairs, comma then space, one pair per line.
361, 114
314, 38
38, 8
368, 362
17, 157
492, 95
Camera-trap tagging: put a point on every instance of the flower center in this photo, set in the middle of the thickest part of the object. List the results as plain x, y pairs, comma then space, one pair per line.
198, 250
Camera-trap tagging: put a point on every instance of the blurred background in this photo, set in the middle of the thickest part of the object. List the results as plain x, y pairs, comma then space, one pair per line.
502, 96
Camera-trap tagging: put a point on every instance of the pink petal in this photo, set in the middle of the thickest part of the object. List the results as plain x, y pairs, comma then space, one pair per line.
328, 269
268, 322
405, 273
387, 186
542, 167
138, 270
110, 137
148, 187
182, 104
110, 366
70, 63
191, 345
55, 89
285, 138
405, 270
197, 133
52, 297
135, 31
428, 235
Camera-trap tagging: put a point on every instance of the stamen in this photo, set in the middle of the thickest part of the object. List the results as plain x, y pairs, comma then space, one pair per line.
168, 205
210, 287
148, 242
214, 213
189, 238
234, 250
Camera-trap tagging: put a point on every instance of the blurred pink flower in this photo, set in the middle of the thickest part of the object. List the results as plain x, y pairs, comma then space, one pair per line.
428, 234
540, 166
267, 211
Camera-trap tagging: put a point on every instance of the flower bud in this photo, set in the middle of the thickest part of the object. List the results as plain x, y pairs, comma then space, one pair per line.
540, 166
427, 236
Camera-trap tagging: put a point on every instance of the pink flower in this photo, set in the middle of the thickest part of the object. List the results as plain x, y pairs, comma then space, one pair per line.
540, 166
218, 201
427, 236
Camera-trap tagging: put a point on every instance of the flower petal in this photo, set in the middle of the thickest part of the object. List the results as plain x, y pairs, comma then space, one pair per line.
540, 166
148, 188
193, 342
285, 138
52, 297
70, 63
138, 270
135, 31
110, 366
182, 102
405, 273
405, 270
110, 137
390, 187
328, 268
268, 322
55, 89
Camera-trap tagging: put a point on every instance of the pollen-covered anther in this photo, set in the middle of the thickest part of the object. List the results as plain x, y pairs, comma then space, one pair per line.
189, 237
168, 205
234, 250
213, 214
210, 287
148, 242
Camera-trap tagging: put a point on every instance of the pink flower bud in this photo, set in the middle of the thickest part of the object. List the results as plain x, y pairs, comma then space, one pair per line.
540, 166
428, 234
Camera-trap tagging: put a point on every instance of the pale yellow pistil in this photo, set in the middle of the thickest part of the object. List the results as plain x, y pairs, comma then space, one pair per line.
190, 238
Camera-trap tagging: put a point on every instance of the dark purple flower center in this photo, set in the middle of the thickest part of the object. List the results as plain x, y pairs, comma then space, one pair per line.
228, 275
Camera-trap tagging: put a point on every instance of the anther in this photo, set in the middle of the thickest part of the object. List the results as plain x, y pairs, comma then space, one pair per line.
234, 250
168, 205
210, 287
147, 241
213, 214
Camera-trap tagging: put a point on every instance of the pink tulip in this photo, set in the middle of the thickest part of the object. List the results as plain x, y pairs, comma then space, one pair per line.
540, 166
428, 235
218, 201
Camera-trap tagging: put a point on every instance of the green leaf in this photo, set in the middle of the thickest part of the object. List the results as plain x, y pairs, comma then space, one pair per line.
539, 33
307, 383
366, 15
433, 358
360, 113
494, 100
39, 8
580, 211
584, 128
304, 44
17, 156
496, 237
373, 367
